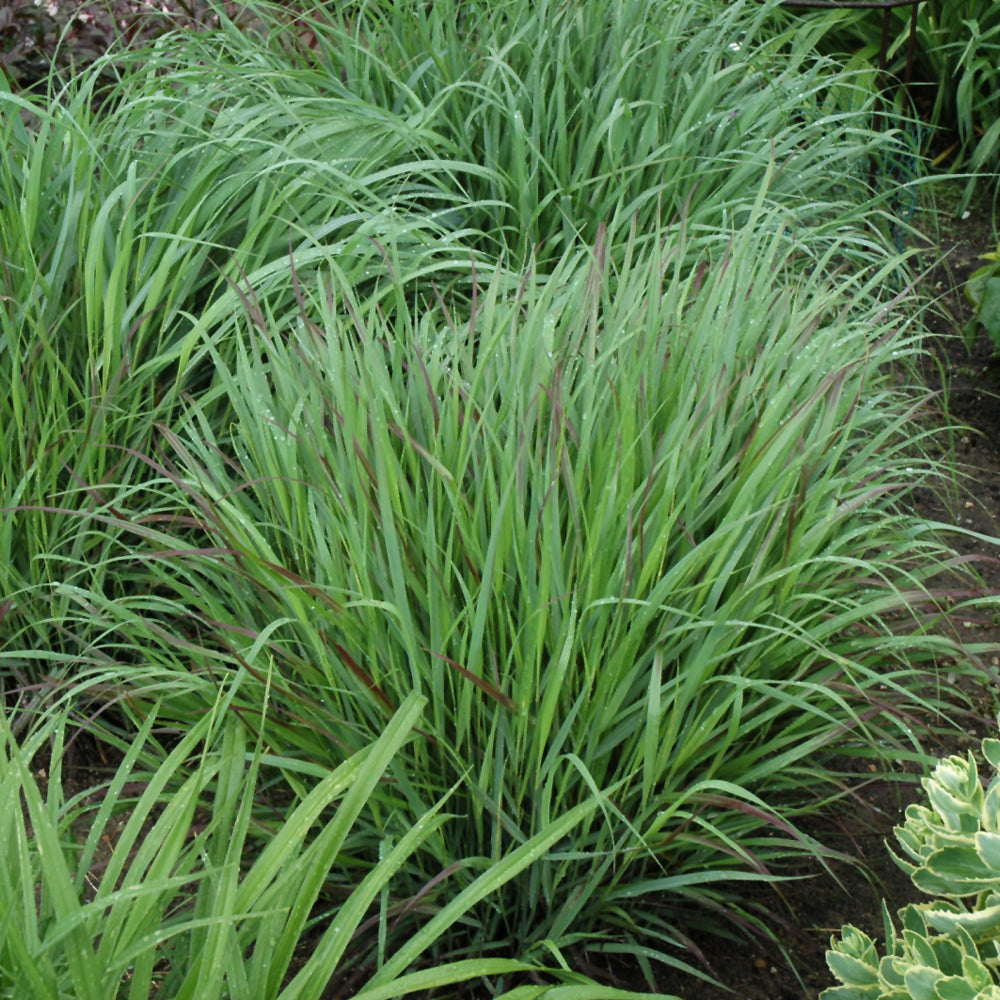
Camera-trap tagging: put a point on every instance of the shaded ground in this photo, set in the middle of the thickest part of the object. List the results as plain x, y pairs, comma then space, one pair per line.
813, 909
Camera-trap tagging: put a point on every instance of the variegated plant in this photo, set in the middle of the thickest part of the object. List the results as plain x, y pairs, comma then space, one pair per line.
947, 948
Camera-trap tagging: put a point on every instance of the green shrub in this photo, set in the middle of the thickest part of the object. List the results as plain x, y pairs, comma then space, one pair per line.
947, 948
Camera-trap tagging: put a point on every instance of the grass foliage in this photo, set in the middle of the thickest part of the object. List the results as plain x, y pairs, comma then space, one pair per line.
170, 908
527, 363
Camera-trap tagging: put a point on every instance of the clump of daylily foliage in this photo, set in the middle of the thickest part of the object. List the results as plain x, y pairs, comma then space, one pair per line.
947, 948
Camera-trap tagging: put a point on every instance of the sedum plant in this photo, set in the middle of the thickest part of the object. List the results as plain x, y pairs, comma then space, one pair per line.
947, 948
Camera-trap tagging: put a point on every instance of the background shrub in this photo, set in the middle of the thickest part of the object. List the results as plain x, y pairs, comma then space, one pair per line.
956, 72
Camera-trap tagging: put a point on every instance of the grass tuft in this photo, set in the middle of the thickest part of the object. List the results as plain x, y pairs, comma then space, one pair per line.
531, 365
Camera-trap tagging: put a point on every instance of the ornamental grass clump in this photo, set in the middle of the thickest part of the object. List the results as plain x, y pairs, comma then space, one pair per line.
563, 118
127, 212
949, 947
308, 391
630, 534
118, 228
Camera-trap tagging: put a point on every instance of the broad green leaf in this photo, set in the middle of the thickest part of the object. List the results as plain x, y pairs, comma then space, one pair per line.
851, 993
921, 982
988, 306
956, 988
988, 849
960, 867
991, 751
979, 923
850, 970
